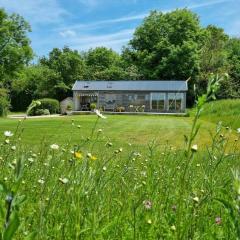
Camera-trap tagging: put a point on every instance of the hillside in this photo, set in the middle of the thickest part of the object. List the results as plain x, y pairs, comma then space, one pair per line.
226, 111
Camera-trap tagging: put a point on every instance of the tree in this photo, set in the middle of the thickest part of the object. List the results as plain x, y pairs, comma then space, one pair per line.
231, 88
103, 64
36, 81
213, 55
4, 102
68, 65
166, 46
15, 50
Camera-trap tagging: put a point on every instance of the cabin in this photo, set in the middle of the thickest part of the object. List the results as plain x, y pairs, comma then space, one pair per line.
130, 96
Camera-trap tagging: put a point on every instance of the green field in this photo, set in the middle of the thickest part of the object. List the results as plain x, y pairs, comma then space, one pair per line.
121, 129
124, 177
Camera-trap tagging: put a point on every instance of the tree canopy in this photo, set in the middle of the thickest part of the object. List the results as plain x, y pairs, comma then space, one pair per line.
15, 49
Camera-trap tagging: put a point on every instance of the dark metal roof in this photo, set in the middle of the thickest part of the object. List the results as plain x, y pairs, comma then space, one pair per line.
145, 85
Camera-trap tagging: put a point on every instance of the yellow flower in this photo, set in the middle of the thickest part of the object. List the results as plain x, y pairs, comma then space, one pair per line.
89, 155
78, 155
93, 158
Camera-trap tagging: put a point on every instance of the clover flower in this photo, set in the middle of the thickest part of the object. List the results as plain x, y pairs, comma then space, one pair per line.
104, 168
99, 114
8, 134
13, 148
147, 204
41, 181
238, 130
194, 148
196, 199
173, 228
149, 221
54, 146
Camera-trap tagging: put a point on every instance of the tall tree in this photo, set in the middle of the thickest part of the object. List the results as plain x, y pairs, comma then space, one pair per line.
15, 50
213, 54
68, 65
165, 46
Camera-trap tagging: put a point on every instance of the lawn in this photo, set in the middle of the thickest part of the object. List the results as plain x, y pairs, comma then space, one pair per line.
138, 130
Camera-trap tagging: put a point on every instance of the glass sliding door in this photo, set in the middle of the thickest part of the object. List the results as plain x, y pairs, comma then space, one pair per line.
179, 101
171, 101
175, 101
158, 101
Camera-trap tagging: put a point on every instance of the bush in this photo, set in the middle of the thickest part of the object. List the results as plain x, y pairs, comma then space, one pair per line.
40, 112
4, 102
93, 106
52, 105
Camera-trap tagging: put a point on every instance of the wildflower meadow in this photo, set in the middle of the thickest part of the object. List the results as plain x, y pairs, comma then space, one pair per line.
97, 189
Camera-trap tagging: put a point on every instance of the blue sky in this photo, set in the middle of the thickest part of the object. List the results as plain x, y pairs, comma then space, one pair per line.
81, 24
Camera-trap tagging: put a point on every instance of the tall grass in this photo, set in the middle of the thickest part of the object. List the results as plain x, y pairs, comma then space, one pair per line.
96, 190
228, 110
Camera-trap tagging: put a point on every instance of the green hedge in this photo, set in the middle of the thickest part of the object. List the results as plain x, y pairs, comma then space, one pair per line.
52, 105
4, 102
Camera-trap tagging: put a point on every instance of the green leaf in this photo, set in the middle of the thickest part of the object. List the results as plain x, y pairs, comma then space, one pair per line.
12, 227
31, 236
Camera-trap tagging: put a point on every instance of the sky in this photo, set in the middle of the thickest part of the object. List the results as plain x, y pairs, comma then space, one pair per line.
84, 24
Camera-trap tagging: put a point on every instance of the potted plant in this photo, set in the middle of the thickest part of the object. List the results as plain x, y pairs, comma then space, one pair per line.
93, 106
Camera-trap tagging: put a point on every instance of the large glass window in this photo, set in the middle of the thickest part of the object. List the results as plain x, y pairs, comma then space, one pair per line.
171, 101
175, 101
179, 101
158, 101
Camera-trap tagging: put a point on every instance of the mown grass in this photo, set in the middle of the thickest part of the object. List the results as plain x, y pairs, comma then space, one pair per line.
98, 186
138, 130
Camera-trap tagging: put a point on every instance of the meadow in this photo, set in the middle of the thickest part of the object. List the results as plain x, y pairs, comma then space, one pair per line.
123, 177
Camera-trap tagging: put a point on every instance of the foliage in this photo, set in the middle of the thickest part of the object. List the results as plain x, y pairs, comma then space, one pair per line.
165, 45
15, 50
93, 106
227, 111
68, 66
4, 102
123, 191
32, 83
213, 55
52, 105
40, 112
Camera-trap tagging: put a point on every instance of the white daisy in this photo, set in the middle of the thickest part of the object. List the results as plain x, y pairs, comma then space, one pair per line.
99, 114
8, 134
54, 146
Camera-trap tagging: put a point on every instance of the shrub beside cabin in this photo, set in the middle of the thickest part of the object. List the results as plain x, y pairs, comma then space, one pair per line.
130, 96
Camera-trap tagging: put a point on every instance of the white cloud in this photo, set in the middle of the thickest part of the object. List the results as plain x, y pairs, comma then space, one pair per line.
207, 4
83, 42
140, 16
68, 33
36, 11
